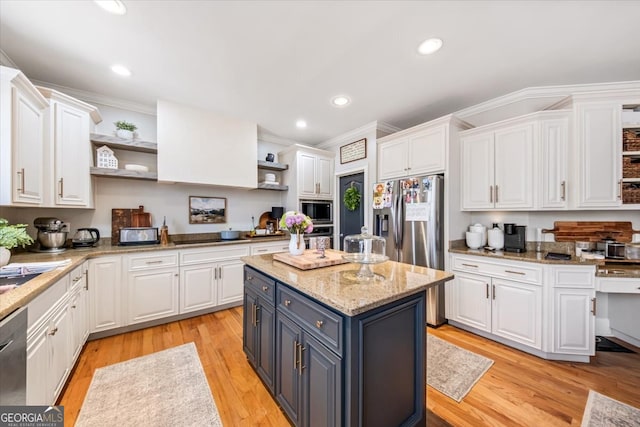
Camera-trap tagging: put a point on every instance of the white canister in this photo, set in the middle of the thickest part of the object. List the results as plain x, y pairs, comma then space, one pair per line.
495, 237
479, 228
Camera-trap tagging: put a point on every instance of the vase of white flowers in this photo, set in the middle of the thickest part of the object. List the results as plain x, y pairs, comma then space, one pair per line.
297, 224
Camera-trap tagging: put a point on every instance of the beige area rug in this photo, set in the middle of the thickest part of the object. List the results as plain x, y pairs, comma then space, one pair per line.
604, 411
453, 370
167, 388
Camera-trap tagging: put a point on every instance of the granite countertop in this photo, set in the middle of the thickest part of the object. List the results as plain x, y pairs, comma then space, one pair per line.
603, 268
337, 287
22, 295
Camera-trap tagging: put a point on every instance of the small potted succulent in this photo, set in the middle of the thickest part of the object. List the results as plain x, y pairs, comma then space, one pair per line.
124, 129
11, 236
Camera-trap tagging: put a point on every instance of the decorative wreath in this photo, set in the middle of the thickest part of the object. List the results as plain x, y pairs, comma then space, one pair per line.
352, 198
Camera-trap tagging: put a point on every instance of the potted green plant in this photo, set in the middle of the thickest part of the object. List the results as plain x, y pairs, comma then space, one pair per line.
11, 236
125, 129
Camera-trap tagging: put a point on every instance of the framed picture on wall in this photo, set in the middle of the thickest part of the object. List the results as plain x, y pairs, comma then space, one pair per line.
207, 210
354, 151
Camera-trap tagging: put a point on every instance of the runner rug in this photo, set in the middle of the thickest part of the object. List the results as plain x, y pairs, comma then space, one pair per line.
604, 411
453, 370
167, 388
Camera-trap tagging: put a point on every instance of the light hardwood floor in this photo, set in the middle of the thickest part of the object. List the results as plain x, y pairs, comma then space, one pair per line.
519, 389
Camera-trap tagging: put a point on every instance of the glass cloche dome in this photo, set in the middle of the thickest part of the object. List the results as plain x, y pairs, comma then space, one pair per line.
365, 249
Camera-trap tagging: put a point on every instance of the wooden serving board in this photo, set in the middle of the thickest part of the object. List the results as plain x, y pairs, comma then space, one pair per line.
310, 259
122, 218
592, 231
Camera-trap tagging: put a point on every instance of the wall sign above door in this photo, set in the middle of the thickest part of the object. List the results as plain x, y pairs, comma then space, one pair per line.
354, 151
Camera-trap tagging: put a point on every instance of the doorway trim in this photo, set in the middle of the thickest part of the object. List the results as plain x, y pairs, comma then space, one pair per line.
366, 199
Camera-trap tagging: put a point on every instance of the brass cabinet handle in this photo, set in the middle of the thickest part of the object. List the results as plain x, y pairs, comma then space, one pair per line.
563, 186
295, 355
220, 273
487, 289
21, 175
491, 194
249, 277
494, 291
516, 272
319, 323
261, 250
265, 288
470, 265
153, 262
61, 187
257, 315
496, 194
287, 302
86, 282
593, 306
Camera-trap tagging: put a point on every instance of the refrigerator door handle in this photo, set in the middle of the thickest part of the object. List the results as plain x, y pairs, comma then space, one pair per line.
399, 223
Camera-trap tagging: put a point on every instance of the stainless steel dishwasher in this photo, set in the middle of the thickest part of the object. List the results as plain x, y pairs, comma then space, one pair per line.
13, 358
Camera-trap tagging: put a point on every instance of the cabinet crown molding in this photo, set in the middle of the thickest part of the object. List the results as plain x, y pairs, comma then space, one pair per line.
55, 95
18, 78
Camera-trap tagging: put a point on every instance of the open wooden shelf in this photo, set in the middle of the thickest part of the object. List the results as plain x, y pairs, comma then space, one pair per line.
277, 187
272, 166
124, 173
124, 144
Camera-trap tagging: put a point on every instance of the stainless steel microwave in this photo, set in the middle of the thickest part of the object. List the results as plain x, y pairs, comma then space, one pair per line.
320, 211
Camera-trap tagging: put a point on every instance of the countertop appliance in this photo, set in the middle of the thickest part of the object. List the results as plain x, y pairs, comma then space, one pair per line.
85, 237
52, 236
411, 221
515, 238
13, 358
138, 236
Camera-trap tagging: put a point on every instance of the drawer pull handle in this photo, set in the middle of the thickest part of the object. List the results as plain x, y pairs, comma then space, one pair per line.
300, 350
593, 306
154, 262
516, 272
53, 331
261, 250
319, 324
265, 288
287, 302
73, 306
470, 265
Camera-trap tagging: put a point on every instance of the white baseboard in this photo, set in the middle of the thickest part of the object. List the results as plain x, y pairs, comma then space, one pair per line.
626, 338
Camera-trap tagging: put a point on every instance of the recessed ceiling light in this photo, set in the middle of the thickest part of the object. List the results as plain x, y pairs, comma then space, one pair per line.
301, 124
121, 70
430, 46
112, 6
341, 101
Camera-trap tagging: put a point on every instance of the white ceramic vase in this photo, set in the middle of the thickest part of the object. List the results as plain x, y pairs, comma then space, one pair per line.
5, 256
296, 244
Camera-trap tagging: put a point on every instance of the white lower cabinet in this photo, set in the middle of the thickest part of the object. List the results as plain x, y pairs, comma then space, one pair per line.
152, 286
49, 355
502, 298
211, 276
79, 309
105, 293
574, 309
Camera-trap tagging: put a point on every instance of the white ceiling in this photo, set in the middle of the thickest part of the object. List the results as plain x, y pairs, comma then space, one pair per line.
274, 62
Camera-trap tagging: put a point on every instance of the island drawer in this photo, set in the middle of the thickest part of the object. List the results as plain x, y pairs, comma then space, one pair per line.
260, 284
319, 321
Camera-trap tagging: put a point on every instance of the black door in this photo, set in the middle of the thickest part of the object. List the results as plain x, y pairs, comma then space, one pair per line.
351, 220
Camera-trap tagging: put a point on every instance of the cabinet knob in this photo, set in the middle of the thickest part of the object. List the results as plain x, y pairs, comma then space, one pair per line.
287, 302
319, 323
73, 306
249, 277
265, 288
53, 331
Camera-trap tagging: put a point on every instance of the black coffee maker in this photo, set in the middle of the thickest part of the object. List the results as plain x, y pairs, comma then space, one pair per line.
515, 238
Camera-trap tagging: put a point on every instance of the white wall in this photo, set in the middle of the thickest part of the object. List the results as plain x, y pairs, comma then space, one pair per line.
146, 123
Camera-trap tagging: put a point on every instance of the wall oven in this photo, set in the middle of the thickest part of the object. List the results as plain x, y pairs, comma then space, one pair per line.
320, 211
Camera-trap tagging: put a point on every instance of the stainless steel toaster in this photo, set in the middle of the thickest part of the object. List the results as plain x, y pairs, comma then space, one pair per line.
139, 236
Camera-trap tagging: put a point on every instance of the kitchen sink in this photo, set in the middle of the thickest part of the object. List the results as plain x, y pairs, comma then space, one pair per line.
17, 280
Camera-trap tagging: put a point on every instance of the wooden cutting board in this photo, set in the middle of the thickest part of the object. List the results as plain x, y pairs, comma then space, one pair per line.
310, 259
592, 231
122, 218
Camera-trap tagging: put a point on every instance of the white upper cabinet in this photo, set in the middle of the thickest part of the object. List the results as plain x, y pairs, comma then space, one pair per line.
497, 167
416, 151
310, 174
22, 111
68, 130
599, 145
200, 147
554, 145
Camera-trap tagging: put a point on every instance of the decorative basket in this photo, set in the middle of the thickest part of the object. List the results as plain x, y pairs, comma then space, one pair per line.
630, 141
631, 167
631, 193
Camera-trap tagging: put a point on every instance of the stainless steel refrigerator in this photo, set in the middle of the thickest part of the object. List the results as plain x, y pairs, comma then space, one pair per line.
409, 214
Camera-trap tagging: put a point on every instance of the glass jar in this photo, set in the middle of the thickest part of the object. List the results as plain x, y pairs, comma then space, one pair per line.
365, 249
